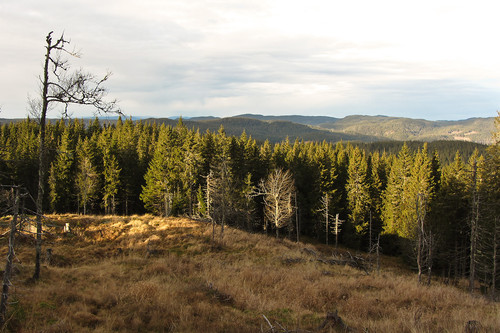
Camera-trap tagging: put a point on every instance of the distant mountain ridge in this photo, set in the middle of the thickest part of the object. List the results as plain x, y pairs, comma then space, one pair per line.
406, 129
351, 128
274, 131
365, 128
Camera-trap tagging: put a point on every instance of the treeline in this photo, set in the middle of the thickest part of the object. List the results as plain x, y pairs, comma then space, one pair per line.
442, 216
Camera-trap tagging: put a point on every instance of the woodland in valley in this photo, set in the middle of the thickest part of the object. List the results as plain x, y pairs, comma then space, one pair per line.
442, 217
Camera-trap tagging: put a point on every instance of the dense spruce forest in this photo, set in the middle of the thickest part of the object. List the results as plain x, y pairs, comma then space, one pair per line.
437, 206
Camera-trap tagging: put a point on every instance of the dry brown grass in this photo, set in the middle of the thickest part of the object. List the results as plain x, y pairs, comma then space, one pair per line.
103, 279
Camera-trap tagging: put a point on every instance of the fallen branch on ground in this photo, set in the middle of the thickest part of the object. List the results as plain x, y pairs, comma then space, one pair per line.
332, 321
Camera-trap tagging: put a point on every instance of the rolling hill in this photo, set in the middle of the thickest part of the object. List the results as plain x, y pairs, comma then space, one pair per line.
351, 128
405, 129
274, 131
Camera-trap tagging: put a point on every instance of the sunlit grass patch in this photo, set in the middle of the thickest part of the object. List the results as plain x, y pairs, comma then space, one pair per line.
145, 273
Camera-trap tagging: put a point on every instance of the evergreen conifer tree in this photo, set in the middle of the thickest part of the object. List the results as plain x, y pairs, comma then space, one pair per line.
396, 204
61, 177
358, 191
87, 178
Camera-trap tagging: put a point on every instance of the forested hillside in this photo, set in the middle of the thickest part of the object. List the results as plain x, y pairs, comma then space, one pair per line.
350, 128
274, 131
433, 213
397, 128
367, 129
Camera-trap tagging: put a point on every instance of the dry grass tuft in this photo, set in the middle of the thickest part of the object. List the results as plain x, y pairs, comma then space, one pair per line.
144, 273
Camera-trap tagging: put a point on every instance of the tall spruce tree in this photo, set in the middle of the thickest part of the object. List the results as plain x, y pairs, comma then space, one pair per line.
358, 191
156, 193
418, 228
111, 175
61, 177
489, 245
449, 216
87, 178
396, 203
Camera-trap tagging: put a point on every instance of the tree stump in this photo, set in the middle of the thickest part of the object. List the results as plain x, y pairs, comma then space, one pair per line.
333, 321
473, 326
48, 256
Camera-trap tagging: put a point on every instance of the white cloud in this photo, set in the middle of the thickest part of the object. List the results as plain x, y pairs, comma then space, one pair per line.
224, 57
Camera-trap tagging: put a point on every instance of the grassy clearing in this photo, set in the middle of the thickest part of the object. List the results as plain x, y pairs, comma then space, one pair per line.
150, 274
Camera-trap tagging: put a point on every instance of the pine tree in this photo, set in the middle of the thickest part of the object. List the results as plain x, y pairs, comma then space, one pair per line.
341, 166
220, 193
421, 188
396, 203
489, 246
87, 178
474, 184
111, 175
358, 191
61, 177
128, 161
449, 217
156, 193
377, 182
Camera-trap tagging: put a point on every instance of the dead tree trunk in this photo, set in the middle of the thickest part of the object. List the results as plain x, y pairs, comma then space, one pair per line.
496, 231
41, 158
57, 86
327, 214
429, 258
474, 229
297, 216
10, 257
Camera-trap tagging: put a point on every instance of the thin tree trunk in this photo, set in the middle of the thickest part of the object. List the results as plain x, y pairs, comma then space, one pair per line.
10, 257
336, 230
429, 260
420, 236
166, 202
297, 217
370, 234
41, 162
378, 253
419, 257
223, 220
473, 232
494, 269
326, 216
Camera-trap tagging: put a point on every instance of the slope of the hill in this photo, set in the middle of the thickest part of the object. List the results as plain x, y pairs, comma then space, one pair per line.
149, 274
274, 131
351, 128
405, 129
304, 120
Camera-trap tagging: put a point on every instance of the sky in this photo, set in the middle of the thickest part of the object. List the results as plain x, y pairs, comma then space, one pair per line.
431, 59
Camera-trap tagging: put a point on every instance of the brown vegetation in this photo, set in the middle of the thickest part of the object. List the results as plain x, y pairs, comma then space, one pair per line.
143, 273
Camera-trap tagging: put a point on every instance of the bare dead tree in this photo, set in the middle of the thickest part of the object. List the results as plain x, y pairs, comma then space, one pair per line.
219, 195
420, 209
424, 241
10, 258
325, 211
278, 190
474, 227
496, 234
337, 228
60, 86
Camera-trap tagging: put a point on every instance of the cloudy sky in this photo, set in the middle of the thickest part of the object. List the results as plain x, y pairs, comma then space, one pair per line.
432, 59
